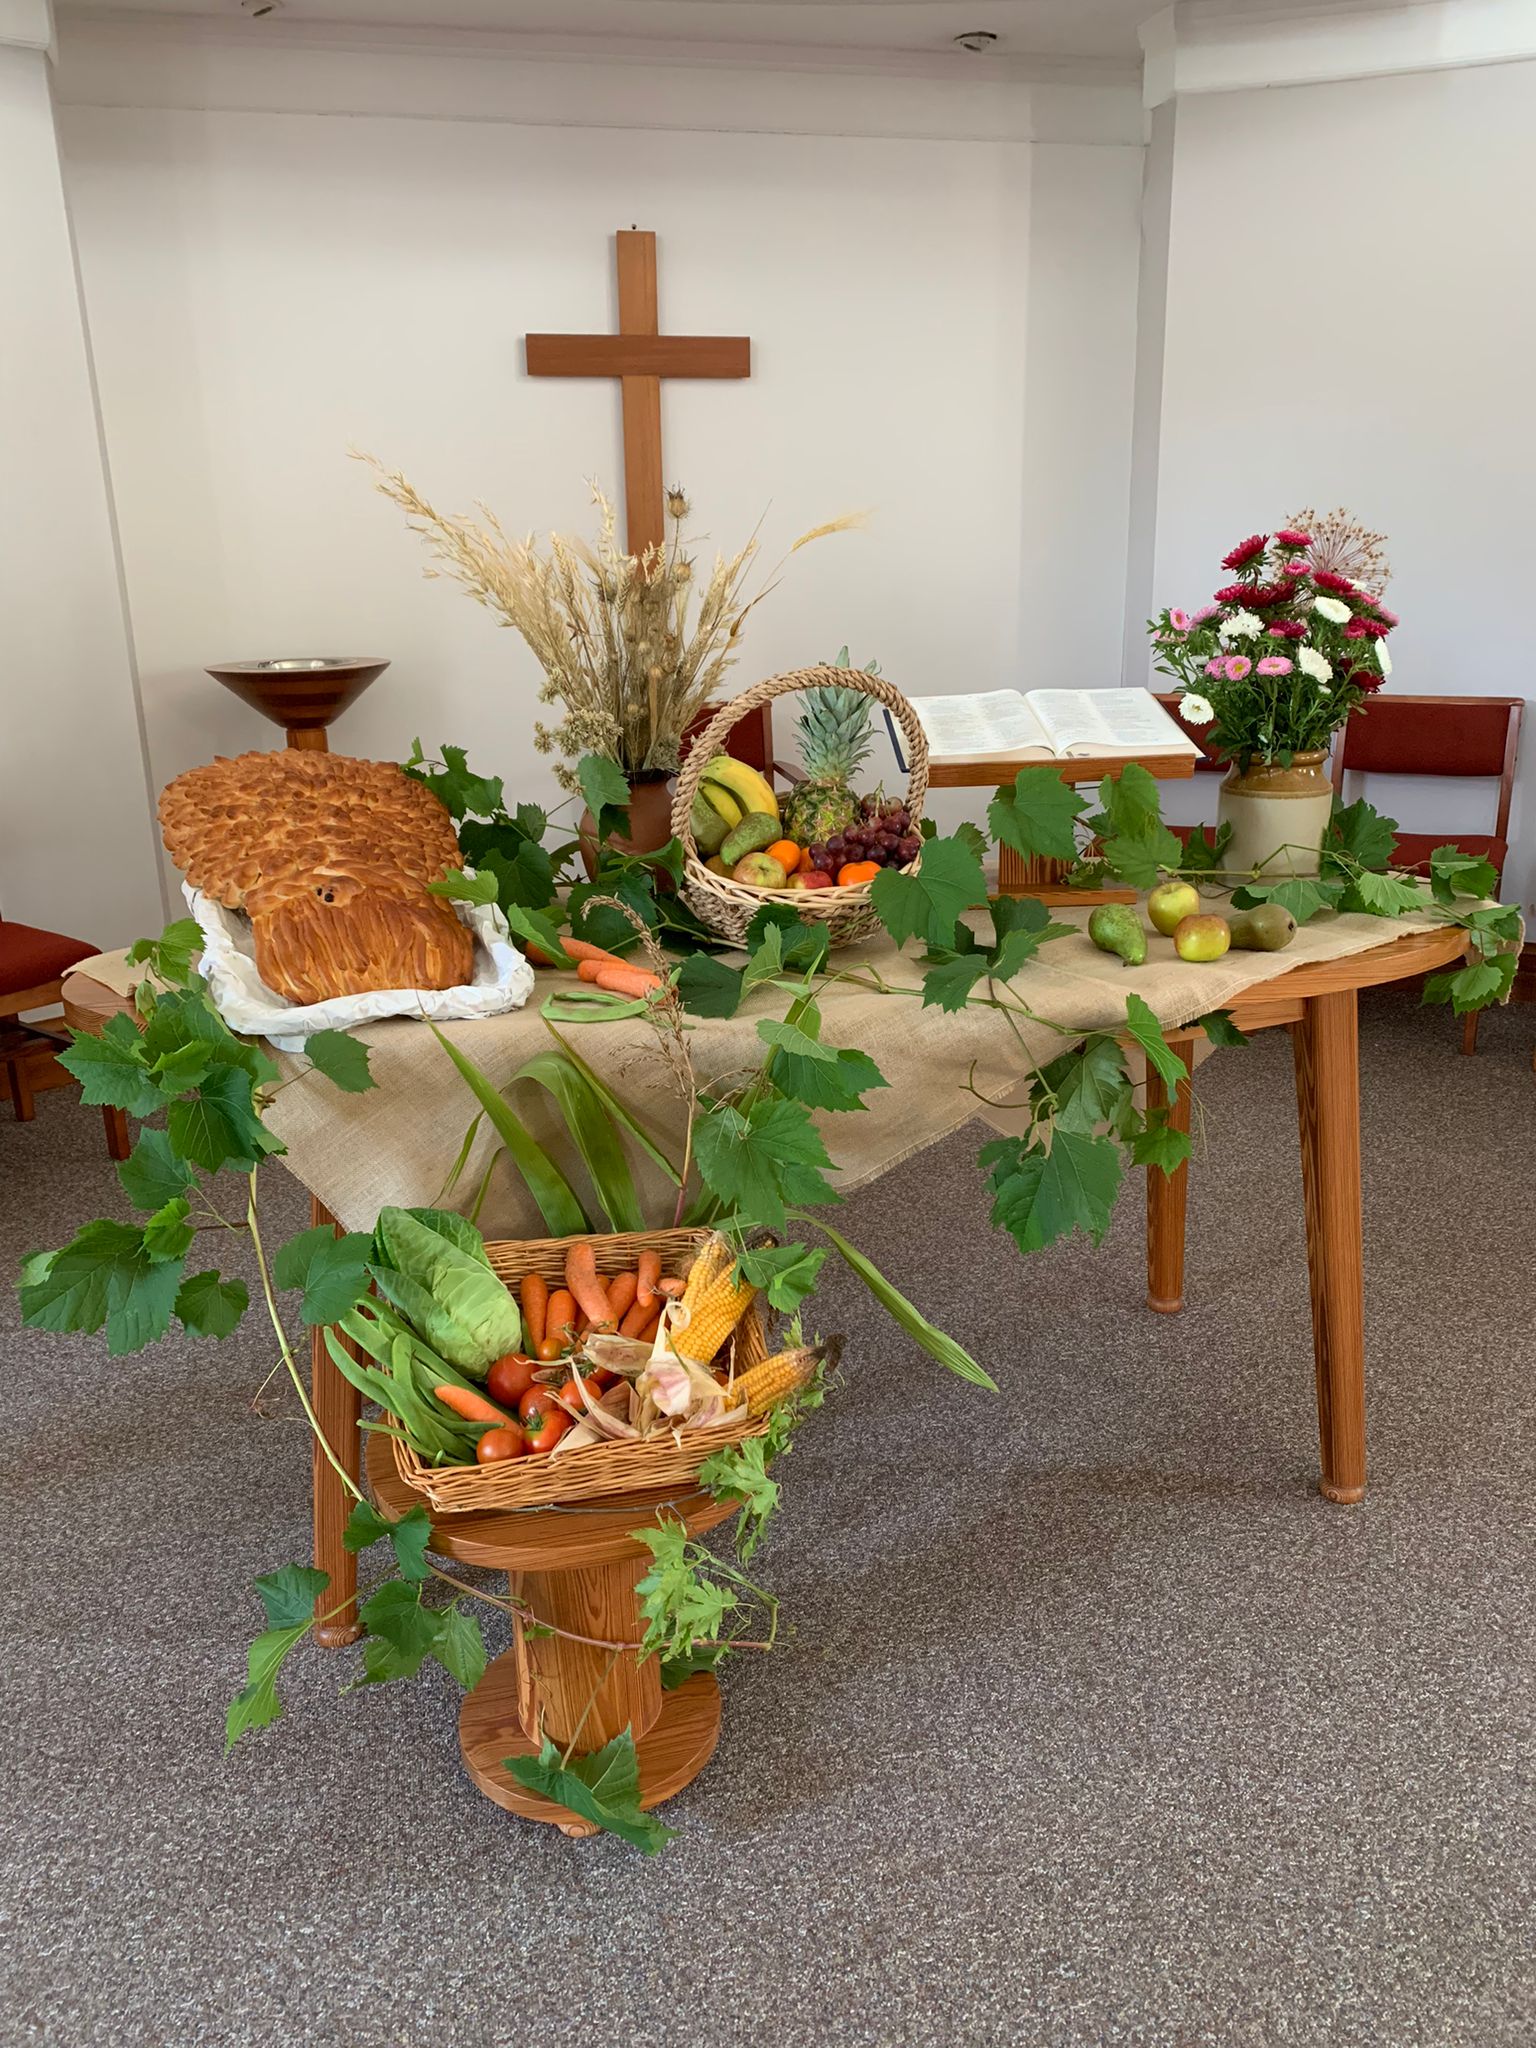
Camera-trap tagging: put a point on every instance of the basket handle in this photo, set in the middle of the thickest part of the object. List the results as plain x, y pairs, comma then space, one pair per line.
712, 738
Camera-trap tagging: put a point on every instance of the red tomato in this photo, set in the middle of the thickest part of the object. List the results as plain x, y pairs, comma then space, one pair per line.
544, 1421
597, 1382
509, 1379
497, 1444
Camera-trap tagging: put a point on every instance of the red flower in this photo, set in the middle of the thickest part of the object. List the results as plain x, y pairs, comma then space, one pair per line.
1269, 593
1355, 630
1288, 537
1339, 585
1288, 629
1373, 629
1246, 551
1366, 679
1234, 593
1294, 569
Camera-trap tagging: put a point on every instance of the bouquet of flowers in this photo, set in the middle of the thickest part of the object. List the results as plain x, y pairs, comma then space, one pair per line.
1283, 653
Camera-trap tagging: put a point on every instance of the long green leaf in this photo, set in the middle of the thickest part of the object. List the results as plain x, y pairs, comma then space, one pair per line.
935, 1342
619, 1111
593, 1134
556, 1198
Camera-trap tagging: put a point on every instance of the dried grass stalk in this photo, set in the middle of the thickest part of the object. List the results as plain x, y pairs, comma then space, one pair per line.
632, 646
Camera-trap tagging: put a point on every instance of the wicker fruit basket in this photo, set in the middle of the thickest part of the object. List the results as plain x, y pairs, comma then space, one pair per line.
540, 1482
728, 907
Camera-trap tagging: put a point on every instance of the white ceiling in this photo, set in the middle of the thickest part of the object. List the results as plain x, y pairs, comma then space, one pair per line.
1103, 29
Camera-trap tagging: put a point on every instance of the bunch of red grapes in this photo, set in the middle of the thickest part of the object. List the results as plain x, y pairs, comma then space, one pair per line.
883, 832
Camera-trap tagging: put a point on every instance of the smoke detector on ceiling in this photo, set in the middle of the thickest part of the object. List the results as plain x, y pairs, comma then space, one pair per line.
975, 40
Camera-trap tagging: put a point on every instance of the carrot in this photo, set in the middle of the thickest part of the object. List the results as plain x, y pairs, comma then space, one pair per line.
636, 1319
473, 1407
534, 1292
590, 1294
674, 1289
649, 1274
621, 1295
628, 981
560, 1323
574, 949
648, 1334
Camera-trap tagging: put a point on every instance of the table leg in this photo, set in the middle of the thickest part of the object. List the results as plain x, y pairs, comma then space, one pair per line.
1167, 1193
337, 1405
21, 1090
1326, 1047
115, 1123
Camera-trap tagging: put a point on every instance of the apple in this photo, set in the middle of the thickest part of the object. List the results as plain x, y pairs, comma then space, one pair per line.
1170, 903
809, 878
759, 871
1202, 938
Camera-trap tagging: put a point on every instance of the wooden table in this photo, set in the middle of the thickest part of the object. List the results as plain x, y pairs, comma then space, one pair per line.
577, 1569
1319, 1005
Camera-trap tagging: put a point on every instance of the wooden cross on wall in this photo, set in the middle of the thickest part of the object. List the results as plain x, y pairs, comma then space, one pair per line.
639, 355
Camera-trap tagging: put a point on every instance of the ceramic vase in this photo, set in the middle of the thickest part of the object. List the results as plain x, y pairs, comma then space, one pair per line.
650, 822
1278, 815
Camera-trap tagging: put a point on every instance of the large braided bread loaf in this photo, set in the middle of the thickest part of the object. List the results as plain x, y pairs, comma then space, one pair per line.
329, 857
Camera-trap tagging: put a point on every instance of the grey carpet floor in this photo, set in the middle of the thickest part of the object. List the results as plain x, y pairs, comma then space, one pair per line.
1096, 1725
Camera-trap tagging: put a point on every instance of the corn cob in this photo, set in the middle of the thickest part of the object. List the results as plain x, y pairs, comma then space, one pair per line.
764, 1386
712, 1305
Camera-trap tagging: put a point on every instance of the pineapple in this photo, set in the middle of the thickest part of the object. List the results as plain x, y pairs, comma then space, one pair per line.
833, 729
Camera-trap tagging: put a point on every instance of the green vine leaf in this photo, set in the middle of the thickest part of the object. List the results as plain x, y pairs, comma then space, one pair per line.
757, 1162
1301, 895
740, 1472
460, 1645
219, 1125
680, 1602
455, 786
928, 905
1361, 834
112, 1068
342, 1059
820, 1076
1453, 873
332, 1271
1148, 1034
257, 1705
170, 956
785, 1273
1091, 1087
708, 988
105, 1275
207, 1306
526, 922
1040, 1196
1474, 986
948, 985
603, 1788
1383, 895
153, 1174
1219, 1028
1036, 814
1157, 1145
459, 887
167, 1234
1138, 846
1205, 850
402, 1632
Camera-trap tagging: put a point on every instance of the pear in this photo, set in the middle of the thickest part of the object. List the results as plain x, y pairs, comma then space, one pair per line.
1116, 928
1267, 928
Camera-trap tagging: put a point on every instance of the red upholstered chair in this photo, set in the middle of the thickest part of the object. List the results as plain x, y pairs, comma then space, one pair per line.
33, 964
1208, 763
1468, 736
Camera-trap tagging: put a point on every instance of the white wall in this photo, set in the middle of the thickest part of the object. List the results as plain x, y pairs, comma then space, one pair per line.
76, 849
1352, 319
942, 332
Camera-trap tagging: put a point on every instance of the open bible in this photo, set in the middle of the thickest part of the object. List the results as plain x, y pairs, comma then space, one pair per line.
1045, 725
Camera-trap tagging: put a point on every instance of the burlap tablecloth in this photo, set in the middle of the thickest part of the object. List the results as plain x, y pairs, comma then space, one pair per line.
398, 1142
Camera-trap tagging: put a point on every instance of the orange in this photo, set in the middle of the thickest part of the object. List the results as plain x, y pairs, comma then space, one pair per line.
857, 871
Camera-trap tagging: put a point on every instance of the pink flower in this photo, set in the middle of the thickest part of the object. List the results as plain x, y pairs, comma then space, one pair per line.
1235, 667
1287, 629
1373, 629
1288, 537
1339, 585
1206, 611
1388, 619
1245, 551
1355, 630
1180, 621
1275, 665
1294, 569
1216, 666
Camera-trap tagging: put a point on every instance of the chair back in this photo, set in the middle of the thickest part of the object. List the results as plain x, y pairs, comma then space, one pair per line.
1467, 736
1208, 763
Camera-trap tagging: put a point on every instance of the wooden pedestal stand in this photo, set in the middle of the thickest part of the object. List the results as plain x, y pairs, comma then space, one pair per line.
577, 1569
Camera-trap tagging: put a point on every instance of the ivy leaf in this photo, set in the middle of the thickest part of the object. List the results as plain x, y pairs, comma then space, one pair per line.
948, 986
1205, 850
104, 1275
1035, 814
707, 987
152, 1174
219, 1126
342, 1059
289, 1595
112, 1069
1361, 833
460, 887
333, 1271
207, 1306
785, 1273
525, 923
167, 1234
1219, 1028
1382, 895
1453, 873
170, 956
405, 1631
1148, 1034
460, 1646
603, 1788
1475, 985
1091, 1086
1156, 1144
257, 1705
1301, 895
927, 905
456, 788
758, 1162
1039, 1196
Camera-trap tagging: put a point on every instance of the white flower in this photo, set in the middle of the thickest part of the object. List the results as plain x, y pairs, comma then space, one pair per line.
1242, 626
1333, 608
1383, 659
1198, 710
1313, 664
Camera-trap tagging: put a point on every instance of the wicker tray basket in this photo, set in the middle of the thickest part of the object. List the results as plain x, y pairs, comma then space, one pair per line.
540, 1482
728, 907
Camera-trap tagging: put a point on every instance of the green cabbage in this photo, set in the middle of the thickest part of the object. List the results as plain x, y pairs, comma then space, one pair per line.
432, 1266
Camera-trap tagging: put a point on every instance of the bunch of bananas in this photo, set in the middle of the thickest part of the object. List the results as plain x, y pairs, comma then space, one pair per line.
728, 792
